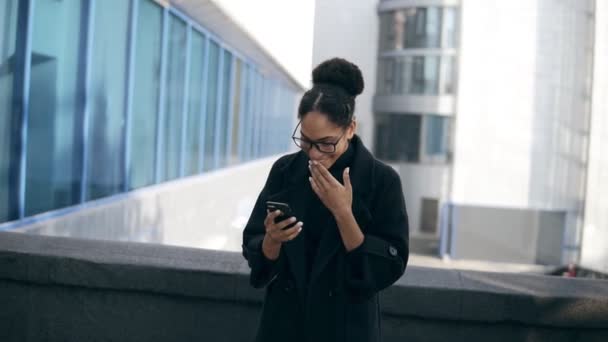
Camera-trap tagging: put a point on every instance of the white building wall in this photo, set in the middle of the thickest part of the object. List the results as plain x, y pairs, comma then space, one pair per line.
349, 29
521, 112
595, 233
421, 181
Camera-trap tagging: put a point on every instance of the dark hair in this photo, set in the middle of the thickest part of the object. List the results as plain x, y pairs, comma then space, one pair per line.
336, 83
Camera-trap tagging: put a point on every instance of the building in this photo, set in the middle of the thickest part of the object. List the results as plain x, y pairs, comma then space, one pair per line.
143, 120
494, 127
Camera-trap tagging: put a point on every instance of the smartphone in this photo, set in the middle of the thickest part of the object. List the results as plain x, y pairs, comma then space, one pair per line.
285, 211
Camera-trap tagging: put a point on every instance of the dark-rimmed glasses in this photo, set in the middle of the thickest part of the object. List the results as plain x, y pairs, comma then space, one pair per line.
323, 147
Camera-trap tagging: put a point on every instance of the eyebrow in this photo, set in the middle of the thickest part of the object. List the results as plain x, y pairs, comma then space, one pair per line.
324, 138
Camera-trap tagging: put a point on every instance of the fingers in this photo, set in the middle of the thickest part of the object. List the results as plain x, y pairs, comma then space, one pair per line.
270, 217
315, 186
346, 177
296, 232
326, 176
316, 175
285, 223
281, 235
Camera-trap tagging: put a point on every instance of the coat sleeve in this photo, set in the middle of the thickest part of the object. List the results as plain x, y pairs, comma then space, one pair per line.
382, 257
263, 270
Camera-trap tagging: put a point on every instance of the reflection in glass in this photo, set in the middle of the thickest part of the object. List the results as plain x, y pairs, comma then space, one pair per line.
107, 99
210, 115
193, 133
10, 118
236, 134
54, 150
415, 75
145, 95
171, 127
225, 108
436, 135
418, 27
398, 137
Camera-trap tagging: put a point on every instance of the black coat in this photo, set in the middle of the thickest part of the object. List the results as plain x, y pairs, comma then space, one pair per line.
340, 302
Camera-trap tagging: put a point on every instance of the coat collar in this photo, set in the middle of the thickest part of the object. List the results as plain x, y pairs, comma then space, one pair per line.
295, 173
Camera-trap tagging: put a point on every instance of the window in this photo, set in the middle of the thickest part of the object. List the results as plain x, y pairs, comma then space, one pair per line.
415, 75
54, 143
398, 137
211, 112
237, 100
145, 95
171, 127
412, 137
105, 169
436, 135
448, 75
193, 128
449, 27
10, 117
418, 27
224, 115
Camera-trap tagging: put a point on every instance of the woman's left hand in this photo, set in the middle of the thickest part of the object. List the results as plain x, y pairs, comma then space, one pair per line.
336, 197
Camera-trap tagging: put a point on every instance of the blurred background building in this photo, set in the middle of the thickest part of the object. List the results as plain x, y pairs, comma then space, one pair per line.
157, 121
494, 114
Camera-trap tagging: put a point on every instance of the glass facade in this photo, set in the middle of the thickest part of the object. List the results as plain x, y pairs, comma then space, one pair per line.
417, 57
417, 54
54, 157
172, 118
145, 101
195, 102
10, 96
102, 97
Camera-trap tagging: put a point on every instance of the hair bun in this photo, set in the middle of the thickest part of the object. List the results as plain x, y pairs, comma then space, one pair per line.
341, 73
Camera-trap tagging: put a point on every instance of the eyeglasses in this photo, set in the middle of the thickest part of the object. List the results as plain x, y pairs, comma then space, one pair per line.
323, 147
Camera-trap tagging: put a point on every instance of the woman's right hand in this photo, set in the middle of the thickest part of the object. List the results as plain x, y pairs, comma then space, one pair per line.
275, 235
275, 230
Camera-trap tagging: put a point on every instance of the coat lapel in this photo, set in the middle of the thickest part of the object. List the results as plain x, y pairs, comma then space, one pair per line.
361, 175
294, 186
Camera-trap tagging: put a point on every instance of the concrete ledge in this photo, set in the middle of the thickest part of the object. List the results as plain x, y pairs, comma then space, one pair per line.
44, 280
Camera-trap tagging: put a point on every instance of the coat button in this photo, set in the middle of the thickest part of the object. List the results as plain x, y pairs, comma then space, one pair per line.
392, 251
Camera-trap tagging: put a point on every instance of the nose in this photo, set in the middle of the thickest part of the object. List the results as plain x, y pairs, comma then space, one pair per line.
314, 154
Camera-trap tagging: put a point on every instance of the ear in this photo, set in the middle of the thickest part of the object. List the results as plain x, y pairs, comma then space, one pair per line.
352, 129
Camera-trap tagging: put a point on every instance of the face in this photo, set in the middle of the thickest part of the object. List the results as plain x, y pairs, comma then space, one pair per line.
316, 127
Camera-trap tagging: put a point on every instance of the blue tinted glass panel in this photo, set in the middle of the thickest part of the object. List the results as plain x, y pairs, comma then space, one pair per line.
54, 146
193, 133
212, 78
145, 95
436, 135
237, 104
10, 122
171, 128
225, 109
107, 99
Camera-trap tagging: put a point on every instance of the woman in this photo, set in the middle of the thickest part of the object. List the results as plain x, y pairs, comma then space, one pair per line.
350, 238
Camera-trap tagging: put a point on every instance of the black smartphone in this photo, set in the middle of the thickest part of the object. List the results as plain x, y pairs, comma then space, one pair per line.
285, 211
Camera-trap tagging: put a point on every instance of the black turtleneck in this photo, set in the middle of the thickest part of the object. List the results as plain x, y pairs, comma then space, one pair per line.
317, 216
